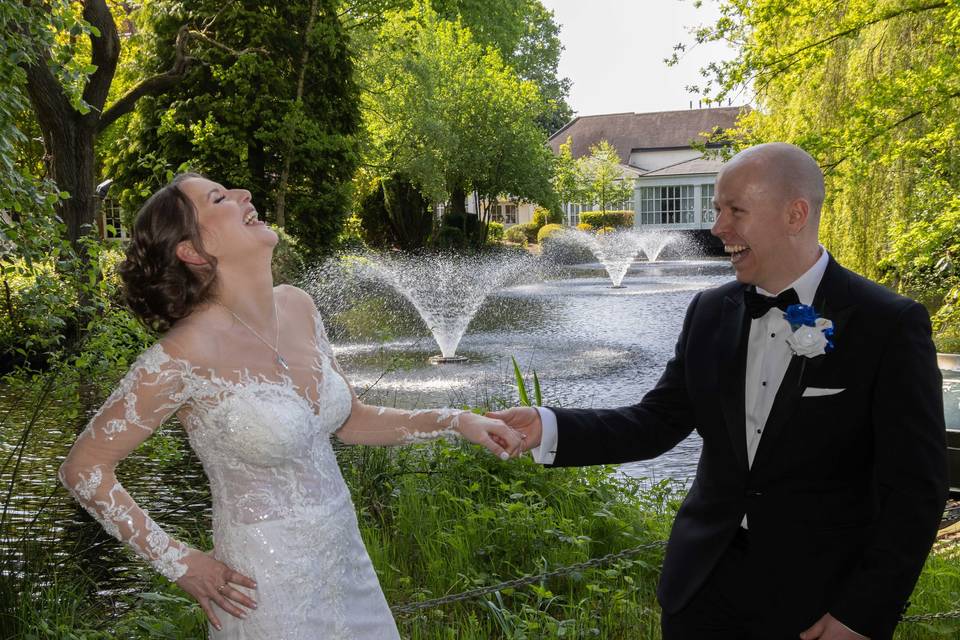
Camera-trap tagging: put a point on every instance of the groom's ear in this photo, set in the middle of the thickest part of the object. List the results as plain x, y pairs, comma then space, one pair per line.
798, 215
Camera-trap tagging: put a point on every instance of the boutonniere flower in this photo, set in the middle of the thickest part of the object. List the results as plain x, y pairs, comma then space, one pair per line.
811, 335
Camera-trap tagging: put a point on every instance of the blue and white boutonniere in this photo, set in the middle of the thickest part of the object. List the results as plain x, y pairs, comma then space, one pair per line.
811, 335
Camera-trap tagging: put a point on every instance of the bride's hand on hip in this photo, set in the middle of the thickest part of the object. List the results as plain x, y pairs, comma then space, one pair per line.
208, 580
494, 435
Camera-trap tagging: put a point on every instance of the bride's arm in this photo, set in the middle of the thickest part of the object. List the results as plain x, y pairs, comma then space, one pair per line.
151, 391
384, 426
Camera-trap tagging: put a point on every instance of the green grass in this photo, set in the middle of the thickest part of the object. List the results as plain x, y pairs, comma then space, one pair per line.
448, 519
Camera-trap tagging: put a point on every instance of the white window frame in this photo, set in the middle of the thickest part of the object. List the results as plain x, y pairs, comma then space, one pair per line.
693, 216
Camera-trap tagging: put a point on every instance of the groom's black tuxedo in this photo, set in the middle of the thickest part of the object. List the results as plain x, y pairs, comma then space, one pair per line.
846, 490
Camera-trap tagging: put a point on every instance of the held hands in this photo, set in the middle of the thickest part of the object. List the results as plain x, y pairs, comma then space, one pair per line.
526, 420
829, 628
208, 580
494, 435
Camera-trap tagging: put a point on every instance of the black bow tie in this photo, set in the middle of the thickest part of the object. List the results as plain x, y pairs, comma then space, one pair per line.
758, 304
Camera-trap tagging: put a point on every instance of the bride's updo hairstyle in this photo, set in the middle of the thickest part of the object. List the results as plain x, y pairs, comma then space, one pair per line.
158, 286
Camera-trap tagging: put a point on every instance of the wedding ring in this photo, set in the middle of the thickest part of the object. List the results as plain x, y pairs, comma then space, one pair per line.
221, 587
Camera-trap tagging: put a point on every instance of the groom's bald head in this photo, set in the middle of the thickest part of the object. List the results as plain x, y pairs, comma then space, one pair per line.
788, 171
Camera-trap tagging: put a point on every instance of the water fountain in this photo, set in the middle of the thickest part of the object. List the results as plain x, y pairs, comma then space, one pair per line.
652, 243
447, 290
616, 250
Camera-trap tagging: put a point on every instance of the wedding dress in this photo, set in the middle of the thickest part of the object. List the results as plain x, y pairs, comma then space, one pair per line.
282, 514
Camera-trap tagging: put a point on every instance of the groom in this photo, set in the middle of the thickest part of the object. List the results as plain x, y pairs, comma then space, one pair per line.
823, 473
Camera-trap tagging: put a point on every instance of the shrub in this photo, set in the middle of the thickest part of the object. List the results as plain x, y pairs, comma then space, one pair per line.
543, 216
288, 263
616, 219
36, 301
946, 323
602, 230
351, 237
495, 233
521, 233
447, 237
583, 226
548, 230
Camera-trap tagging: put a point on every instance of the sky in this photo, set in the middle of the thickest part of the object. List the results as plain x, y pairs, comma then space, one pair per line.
614, 51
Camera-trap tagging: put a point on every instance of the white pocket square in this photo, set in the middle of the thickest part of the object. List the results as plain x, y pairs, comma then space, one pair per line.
810, 392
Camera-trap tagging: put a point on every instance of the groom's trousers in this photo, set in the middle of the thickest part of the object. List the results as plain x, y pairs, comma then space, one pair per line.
747, 598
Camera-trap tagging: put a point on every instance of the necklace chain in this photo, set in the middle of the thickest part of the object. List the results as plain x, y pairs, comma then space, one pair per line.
276, 319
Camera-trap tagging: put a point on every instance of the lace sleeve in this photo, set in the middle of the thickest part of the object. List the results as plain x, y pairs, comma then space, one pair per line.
150, 392
383, 425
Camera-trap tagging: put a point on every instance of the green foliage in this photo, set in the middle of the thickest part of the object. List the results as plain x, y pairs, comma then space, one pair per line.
515, 234
288, 264
946, 323
449, 113
237, 117
396, 214
351, 237
527, 38
548, 230
25, 33
494, 233
542, 216
448, 237
872, 91
601, 178
430, 532
615, 219
521, 233
522, 386
567, 182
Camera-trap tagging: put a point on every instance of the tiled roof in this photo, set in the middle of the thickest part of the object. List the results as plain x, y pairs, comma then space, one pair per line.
644, 131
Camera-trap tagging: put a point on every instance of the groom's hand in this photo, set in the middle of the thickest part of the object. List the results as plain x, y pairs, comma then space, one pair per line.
526, 420
829, 628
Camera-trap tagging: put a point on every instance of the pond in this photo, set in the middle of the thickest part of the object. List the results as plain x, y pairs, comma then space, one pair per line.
592, 346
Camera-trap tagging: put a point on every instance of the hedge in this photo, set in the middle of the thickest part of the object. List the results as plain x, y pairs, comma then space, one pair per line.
616, 219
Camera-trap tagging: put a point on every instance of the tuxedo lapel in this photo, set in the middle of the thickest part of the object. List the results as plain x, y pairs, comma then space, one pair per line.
832, 301
732, 334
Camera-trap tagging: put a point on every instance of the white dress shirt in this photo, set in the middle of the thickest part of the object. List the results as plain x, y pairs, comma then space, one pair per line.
767, 359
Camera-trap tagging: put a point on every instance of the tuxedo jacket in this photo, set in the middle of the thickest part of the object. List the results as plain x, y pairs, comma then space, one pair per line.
846, 491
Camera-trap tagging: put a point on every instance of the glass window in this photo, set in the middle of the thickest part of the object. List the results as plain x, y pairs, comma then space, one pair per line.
509, 214
571, 212
706, 203
672, 204
110, 209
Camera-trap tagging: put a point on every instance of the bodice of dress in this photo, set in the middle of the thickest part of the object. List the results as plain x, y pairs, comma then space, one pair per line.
263, 438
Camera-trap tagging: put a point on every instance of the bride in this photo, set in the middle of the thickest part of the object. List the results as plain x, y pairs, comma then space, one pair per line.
249, 371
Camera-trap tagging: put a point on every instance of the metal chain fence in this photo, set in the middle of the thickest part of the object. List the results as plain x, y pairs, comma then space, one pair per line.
406, 609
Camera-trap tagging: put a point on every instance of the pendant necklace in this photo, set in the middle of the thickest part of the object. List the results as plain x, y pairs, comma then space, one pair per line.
280, 359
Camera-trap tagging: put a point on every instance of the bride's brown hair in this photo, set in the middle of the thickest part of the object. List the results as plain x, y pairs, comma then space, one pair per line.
159, 287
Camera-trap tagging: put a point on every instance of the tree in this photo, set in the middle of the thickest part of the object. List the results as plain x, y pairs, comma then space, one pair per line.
567, 182
68, 78
450, 115
601, 177
24, 35
872, 90
528, 39
276, 112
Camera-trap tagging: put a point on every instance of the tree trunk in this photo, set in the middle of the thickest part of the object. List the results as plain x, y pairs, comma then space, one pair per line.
73, 170
288, 156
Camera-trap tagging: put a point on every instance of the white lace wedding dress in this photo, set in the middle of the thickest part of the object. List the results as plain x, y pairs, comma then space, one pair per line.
282, 513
